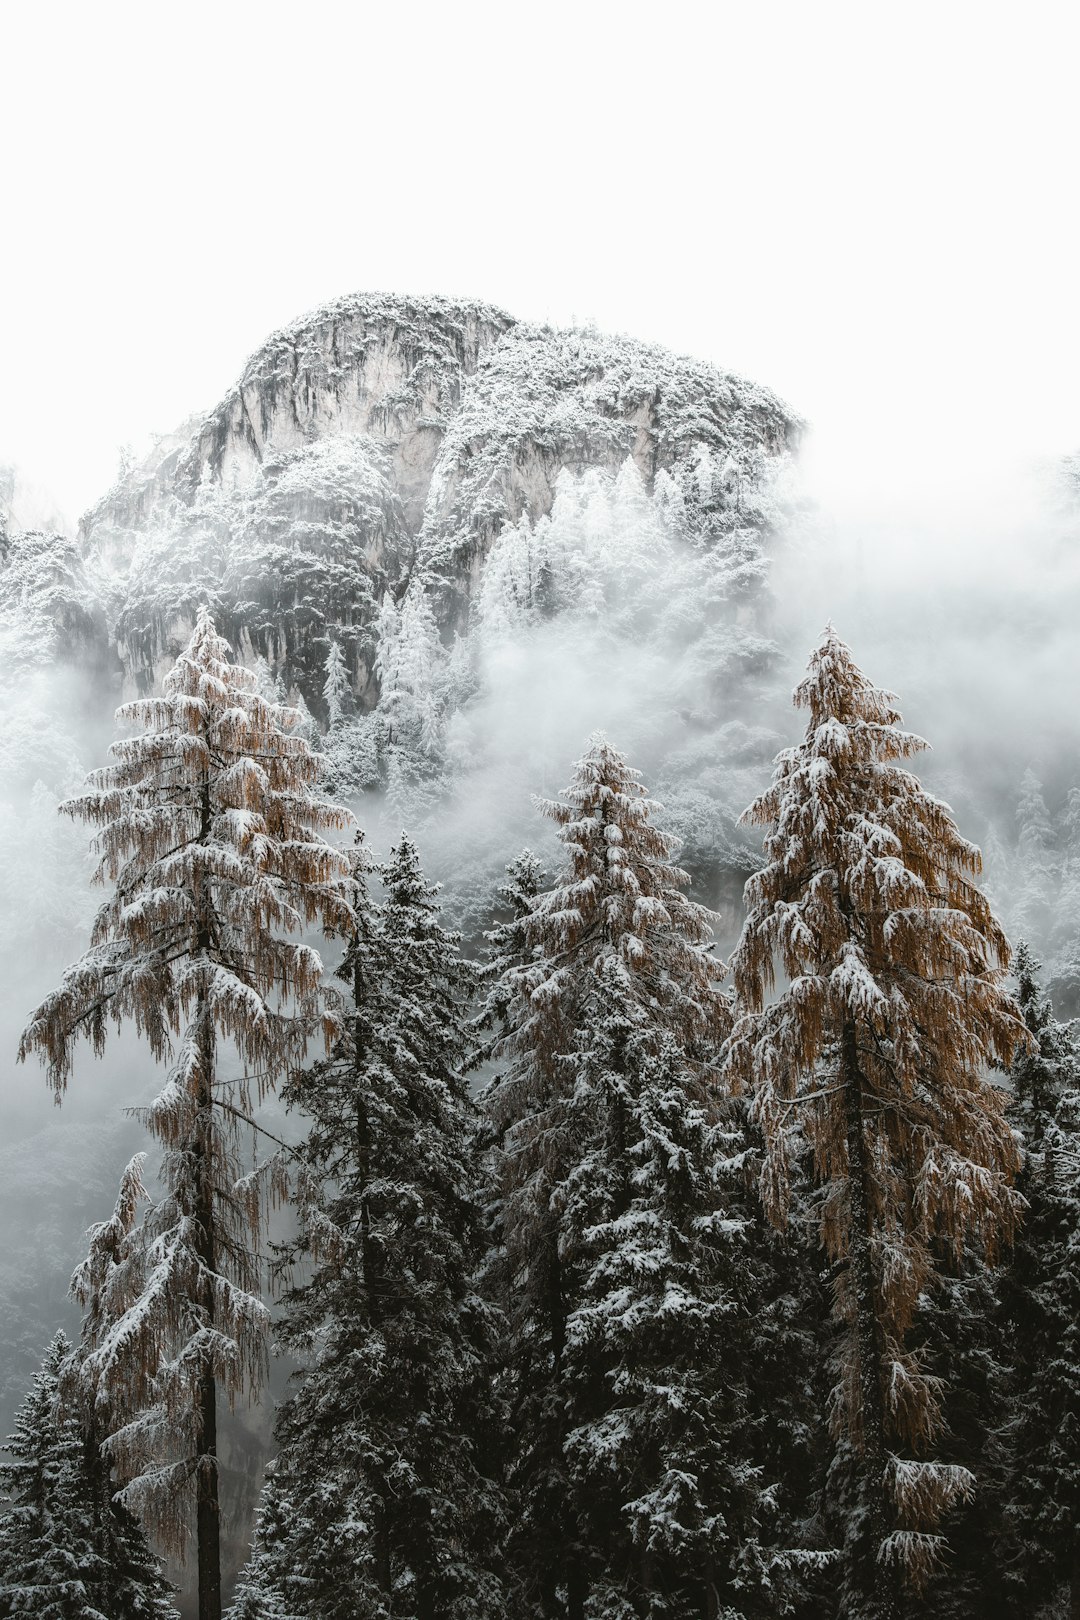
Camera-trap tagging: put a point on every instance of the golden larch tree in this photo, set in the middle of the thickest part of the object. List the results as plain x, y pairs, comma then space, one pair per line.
213, 841
871, 982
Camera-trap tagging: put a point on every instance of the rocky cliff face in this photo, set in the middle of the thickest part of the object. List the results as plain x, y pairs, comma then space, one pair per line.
51, 606
388, 368
544, 401
385, 439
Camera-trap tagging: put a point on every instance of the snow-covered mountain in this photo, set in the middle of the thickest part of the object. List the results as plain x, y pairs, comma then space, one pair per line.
490, 537
386, 438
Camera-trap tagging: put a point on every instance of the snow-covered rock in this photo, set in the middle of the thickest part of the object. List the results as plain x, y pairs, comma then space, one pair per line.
384, 437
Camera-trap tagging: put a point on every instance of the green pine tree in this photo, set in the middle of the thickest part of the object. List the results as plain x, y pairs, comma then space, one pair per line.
640, 1491
67, 1552
1042, 1310
384, 1498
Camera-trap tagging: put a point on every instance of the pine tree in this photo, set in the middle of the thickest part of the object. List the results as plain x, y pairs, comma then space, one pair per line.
213, 841
514, 588
267, 684
336, 688
1037, 861
665, 1476
408, 664
612, 1213
259, 1592
66, 1551
304, 727
964, 1346
893, 1003
507, 950
353, 743
1042, 1309
384, 1499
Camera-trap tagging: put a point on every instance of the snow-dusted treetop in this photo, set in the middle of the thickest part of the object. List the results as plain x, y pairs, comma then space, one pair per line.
213, 840
868, 904
894, 1004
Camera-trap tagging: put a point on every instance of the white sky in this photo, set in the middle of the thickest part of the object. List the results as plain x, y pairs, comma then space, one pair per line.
871, 208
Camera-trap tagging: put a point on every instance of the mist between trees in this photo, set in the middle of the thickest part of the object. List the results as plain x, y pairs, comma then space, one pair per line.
604, 613
703, 1306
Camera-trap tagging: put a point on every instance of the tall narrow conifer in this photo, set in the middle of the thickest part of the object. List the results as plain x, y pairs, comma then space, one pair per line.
212, 839
383, 1499
892, 1005
67, 1551
1042, 1310
625, 1377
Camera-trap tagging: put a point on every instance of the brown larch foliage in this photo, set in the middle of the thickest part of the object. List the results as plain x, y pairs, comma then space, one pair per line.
213, 842
891, 1008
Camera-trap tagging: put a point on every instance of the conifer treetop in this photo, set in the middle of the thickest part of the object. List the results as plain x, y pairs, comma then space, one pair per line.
619, 903
68, 1552
868, 902
336, 686
213, 840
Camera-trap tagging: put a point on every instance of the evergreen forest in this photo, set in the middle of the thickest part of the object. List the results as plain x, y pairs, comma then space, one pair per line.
553, 1123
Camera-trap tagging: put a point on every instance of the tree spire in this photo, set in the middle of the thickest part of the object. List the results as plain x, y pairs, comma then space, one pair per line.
610, 1000
892, 1007
212, 840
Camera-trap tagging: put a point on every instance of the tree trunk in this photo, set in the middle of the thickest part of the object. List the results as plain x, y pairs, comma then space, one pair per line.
1074, 1588
381, 1537
208, 1525
363, 1139
208, 1513
207, 1508
576, 1588
711, 1609
874, 1578
556, 1309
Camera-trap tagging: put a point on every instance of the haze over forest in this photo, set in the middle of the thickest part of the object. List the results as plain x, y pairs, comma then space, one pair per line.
582, 491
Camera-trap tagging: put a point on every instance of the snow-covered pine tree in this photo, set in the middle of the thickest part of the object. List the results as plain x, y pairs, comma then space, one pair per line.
607, 1188
963, 1345
304, 727
408, 665
384, 1498
267, 684
103, 1285
67, 1552
336, 688
48, 1561
515, 584
1041, 1301
893, 1003
1037, 863
664, 1471
213, 840
259, 1591
507, 949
